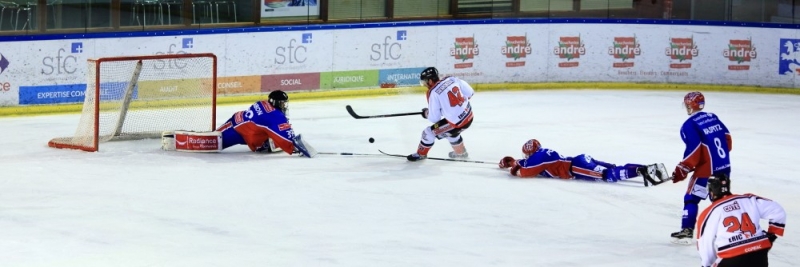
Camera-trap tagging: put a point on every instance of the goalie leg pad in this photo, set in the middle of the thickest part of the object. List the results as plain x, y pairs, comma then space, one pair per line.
273, 147
168, 141
186, 141
269, 146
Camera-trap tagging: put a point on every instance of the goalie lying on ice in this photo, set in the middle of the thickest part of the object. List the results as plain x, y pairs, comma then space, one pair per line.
263, 127
543, 162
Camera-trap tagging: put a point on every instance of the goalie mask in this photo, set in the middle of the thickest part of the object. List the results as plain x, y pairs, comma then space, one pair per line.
279, 100
719, 186
694, 102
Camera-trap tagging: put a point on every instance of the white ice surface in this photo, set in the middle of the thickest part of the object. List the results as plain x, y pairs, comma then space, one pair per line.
132, 204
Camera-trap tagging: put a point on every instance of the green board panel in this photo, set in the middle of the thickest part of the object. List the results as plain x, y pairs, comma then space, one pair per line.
349, 79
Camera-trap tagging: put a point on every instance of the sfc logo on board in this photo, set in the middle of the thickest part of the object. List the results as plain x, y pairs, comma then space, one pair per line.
789, 63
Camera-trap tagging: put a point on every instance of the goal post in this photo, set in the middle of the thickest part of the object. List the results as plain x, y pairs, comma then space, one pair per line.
138, 97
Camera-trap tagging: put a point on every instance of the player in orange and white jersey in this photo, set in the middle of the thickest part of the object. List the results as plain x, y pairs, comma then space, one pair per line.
728, 231
448, 109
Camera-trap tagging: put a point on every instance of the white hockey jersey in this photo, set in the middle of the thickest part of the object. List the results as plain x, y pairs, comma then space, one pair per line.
729, 227
449, 98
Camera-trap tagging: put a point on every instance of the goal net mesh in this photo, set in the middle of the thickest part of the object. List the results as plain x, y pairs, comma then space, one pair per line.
140, 97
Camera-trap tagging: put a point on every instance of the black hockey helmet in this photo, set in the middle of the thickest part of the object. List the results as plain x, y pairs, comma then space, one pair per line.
719, 186
429, 73
279, 99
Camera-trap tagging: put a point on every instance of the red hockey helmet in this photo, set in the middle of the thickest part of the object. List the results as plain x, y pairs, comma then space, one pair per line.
530, 147
694, 102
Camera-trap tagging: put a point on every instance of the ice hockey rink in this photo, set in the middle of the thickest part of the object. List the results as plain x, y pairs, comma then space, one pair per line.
131, 204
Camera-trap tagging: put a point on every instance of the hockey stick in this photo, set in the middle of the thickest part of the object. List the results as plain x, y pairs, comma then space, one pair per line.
632, 182
442, 159
650, 181
348, 154
353, 113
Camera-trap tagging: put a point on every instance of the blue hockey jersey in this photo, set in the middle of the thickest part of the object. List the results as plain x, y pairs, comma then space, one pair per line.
708, 144
547, 163
255, 126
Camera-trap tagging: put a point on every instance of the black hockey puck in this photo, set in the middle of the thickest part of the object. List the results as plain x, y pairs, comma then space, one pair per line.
372, 140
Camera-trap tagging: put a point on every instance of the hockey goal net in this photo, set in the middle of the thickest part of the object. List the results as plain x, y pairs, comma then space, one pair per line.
139, 97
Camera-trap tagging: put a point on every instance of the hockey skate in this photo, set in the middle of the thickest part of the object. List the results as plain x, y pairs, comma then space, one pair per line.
683, 237
168, 140
459, 151
416, 157
653, 174
454, 155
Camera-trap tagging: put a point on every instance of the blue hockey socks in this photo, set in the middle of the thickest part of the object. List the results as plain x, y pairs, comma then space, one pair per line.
689, 215
620, 173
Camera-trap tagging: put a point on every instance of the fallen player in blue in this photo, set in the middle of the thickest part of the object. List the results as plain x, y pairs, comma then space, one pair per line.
543, 162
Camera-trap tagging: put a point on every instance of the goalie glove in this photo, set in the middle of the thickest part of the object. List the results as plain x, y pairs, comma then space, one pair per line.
303, 147
515, 169
680, 173
507, 162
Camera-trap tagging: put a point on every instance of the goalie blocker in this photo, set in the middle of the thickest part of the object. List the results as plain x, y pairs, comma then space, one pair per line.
187, 141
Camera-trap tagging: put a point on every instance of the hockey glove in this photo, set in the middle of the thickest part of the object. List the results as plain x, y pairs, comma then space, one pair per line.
515, 169
424, 113
300, 145
680, 173
507, 162
771, 236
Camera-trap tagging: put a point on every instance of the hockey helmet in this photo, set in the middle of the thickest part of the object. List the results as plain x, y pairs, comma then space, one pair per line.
430, 73
719, 186
530, 147
694, 102
279, 100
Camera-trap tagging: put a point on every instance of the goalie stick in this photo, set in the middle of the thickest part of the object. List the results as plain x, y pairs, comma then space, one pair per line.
356, 116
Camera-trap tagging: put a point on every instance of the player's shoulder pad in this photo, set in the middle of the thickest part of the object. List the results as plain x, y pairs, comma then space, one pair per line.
756, 196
